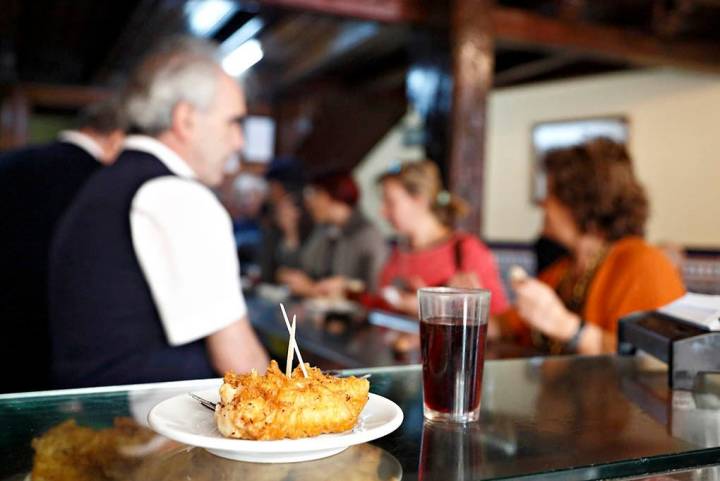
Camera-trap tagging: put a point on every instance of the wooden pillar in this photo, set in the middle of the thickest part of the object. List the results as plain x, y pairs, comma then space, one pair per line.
14, 113
471, 39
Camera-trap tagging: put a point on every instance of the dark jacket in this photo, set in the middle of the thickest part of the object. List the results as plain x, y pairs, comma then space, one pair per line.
36, 186
104, 324
356, 250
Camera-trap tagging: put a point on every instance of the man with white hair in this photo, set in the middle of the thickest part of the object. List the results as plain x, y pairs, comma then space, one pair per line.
144, 279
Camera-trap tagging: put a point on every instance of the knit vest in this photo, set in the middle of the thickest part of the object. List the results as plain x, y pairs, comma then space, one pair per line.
104, 325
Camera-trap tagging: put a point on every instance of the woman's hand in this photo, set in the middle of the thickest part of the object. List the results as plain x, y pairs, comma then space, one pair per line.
331, 286
408, 303
404, 299
542, 309
400, 299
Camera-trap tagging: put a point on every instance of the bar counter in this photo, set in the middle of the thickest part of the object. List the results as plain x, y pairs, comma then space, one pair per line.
366, 340
351, 344
542, 418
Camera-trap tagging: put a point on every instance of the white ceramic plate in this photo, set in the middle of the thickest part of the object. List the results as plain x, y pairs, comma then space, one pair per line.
183, 419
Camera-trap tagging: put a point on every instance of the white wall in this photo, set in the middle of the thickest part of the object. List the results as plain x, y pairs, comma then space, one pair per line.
674, 138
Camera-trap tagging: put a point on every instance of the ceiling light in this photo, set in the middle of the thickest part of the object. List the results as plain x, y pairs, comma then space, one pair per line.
249, 30
205, 17
243, 57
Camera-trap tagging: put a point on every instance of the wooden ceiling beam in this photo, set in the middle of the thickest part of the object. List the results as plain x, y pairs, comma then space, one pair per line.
339, 41
534, 68
335, 43
520, 27
63, 96
390, 11
513, 26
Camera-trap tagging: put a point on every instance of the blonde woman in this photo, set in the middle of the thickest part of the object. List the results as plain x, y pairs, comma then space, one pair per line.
430, 251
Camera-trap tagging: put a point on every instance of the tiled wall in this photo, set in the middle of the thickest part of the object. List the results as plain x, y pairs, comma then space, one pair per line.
701, 273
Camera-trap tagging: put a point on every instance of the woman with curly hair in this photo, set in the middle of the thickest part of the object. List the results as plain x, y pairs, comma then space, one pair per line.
596, 208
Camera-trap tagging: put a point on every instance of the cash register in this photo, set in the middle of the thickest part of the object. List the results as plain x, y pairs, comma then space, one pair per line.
688, 349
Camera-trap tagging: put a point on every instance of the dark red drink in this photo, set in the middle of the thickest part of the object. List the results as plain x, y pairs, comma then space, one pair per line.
453, 356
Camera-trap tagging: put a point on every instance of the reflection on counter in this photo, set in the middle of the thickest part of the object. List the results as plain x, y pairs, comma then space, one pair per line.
709, 473
696, 414
77, 453
358, 463
130, 452
690, 416
460, 451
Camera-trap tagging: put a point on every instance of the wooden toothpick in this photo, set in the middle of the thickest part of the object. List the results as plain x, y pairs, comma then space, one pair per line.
288, 364
293, 344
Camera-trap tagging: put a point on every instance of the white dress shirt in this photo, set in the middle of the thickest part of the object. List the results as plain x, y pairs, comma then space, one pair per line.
183, 239
84, 141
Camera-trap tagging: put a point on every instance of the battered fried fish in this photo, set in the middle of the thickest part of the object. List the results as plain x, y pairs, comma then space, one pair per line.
274, 406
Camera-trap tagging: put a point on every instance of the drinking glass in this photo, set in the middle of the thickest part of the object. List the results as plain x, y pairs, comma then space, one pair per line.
453, 328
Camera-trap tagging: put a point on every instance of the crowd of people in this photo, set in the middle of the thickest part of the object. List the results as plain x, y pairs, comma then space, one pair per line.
138, 260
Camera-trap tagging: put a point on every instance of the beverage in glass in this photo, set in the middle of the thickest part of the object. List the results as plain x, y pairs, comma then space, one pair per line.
453, 328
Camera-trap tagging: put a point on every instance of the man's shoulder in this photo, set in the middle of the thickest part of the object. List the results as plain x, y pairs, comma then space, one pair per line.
130, 153
170, 192
59, 149
45, 166
180, 188
20, 157
132, 169
139, 162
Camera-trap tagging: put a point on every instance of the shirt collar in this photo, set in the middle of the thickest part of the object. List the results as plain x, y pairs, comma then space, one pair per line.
84, 141
165, 154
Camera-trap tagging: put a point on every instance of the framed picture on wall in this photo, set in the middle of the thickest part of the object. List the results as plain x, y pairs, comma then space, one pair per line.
556, 134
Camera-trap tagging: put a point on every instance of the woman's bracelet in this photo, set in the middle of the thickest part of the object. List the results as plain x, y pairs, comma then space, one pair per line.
572, 344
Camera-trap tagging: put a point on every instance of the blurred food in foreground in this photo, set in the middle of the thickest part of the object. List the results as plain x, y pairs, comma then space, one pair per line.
78, 453
130, 452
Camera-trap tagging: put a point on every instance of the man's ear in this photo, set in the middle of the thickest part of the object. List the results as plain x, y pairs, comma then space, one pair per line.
183, 120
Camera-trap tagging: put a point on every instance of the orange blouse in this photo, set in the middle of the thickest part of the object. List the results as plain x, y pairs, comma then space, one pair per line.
634, 276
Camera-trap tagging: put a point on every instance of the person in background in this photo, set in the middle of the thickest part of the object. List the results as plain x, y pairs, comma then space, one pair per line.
547, 251
430, 251
36, 186
286, 224
344, 247
247, 195
597, 210
144, 278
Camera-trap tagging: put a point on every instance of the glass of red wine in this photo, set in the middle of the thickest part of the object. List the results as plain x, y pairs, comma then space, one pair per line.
453, 327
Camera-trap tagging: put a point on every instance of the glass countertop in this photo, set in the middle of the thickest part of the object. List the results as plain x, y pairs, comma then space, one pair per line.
542, 418
707, 473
